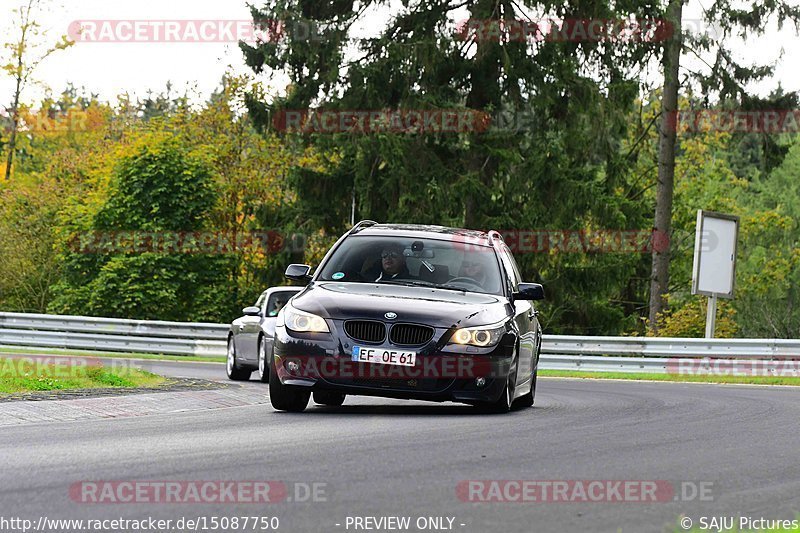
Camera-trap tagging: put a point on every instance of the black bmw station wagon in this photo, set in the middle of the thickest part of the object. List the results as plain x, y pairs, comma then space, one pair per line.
410, 312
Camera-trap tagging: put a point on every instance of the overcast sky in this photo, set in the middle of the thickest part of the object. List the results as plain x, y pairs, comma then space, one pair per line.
111, 68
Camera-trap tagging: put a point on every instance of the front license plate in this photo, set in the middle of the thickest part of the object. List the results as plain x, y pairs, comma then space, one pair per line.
383, 356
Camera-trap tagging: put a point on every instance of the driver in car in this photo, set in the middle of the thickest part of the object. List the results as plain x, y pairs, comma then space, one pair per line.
473, 270
393, 264
279, 303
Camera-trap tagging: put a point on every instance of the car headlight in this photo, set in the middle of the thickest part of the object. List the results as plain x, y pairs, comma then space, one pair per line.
303, 322
479, 336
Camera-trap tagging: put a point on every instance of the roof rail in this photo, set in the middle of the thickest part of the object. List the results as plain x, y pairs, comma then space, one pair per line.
361, 225
494, 234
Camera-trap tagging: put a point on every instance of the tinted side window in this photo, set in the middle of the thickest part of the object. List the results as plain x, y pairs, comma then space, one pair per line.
517, 275
510, 266
276, 302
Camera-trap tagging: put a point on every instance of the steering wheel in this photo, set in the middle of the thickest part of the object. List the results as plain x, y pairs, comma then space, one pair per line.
465, 280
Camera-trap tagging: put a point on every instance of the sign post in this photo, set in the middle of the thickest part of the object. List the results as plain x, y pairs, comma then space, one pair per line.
714, 269
711, 316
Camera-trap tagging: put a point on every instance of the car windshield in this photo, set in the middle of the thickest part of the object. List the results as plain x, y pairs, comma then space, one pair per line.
446, 264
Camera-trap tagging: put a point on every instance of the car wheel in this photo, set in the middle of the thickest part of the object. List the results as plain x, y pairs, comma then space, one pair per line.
502, 405
234, 371
526, 400
504, 402
263, 369
333, 399
285, 397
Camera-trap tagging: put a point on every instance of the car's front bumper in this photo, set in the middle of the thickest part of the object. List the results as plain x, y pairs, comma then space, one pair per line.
324, 362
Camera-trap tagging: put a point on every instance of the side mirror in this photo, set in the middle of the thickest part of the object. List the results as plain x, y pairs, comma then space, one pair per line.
529, 291
252, 311
298, 272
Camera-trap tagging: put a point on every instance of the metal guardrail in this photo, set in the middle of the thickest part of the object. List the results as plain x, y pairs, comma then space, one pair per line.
112, 334
119, 326
559, 352
671, 347
599, 363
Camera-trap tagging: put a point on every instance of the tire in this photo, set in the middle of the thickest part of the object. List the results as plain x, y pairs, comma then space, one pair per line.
502, 405
263, 368
234, 371
286, 397
332, 399
526, 400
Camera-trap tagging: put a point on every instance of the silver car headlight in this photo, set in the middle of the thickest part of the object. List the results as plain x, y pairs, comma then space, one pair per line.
301, 321
481, 336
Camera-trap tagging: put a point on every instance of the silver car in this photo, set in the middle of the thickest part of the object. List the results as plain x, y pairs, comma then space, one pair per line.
251, 337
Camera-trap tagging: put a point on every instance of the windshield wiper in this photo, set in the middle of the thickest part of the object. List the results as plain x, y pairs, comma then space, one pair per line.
420, 283
452, 288
407, 282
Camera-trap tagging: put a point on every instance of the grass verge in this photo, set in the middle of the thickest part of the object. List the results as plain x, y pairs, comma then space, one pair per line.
89, 353
30, 374
690, 378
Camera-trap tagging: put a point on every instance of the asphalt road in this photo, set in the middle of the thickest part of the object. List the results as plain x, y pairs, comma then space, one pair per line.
180, 369
380, 457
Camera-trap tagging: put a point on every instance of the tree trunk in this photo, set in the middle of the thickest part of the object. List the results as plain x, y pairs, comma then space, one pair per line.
12, 141
484, 93
659, 284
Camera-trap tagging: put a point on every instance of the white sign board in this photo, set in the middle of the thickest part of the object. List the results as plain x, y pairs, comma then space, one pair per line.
714, 269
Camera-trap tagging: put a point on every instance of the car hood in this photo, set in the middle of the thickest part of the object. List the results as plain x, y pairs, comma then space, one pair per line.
435, 307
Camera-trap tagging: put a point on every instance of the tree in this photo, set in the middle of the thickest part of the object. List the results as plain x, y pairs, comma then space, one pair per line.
174, 171
250, 173
557, 166
159, 186
768, 269
29, 265
725, 79
713, 172
666, 162
52, 168
27, 51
